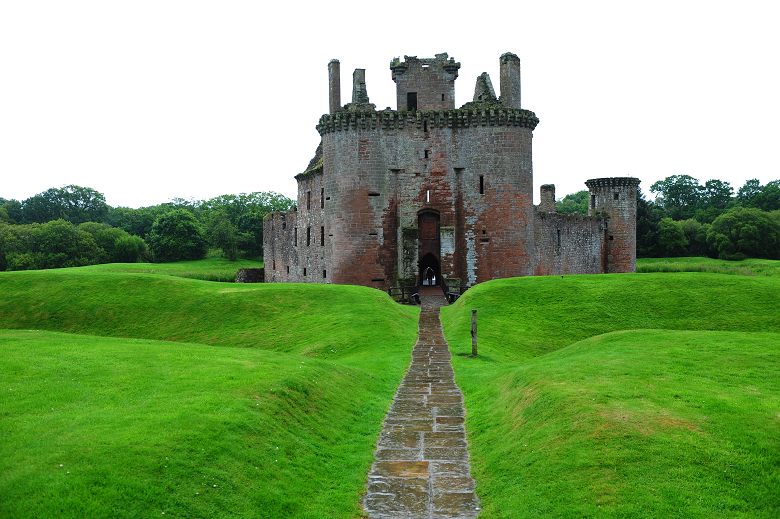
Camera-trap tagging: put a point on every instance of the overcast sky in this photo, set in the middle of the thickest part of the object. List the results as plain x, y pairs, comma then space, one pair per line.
146, 101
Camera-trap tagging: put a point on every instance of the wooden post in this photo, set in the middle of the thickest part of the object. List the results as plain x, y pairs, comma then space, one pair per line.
474, 333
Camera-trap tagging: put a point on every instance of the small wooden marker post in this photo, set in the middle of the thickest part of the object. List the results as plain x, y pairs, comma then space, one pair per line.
474, 333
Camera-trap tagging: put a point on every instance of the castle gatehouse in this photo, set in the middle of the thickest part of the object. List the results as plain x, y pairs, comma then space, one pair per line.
390, 194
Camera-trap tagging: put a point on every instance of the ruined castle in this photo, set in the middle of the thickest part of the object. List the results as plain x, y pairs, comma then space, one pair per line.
391, 193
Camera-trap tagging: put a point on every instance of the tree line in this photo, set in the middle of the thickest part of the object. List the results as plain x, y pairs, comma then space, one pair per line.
74, 226
690, 219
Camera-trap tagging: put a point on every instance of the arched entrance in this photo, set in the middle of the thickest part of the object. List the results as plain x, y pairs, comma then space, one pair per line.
430, 262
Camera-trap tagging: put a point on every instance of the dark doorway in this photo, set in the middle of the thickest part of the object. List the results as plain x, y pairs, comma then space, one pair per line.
430, 270
411, 101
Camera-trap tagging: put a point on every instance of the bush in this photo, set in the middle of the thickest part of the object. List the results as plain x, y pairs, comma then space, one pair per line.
175, 236
745, 232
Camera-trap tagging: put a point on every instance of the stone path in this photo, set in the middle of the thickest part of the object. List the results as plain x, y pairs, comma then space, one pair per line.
422, 468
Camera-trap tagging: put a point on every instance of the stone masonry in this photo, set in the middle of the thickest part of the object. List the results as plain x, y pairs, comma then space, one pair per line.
391, 193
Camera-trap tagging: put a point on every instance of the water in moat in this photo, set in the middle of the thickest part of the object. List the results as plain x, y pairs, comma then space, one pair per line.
422, 466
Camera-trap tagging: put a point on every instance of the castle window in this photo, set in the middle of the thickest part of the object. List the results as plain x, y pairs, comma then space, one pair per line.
322, 236
288, 269
274, 267
324, 274
284, 225
482, 184
592, 201
304, 271
427, 196
411, 101
308, 199
425, 126
427, 152
322, 198
295, 242
617, 195
308, 236
611, 238
442, 97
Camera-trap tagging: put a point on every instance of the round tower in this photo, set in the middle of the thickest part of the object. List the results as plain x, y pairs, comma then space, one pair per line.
616, 196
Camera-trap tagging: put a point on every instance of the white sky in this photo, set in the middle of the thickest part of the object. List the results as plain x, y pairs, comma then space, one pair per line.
147, 100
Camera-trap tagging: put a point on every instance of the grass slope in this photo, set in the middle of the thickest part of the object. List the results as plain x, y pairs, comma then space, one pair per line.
146, 427
210, 269
748, 267
623, 423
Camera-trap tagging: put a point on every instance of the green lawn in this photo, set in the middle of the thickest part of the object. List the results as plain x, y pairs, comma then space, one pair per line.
279, 405
211, 269
580, 405
748, 267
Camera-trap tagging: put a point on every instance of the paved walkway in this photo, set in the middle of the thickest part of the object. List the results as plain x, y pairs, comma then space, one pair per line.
422, 468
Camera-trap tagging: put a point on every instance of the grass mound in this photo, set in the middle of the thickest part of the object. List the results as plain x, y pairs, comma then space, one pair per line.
210, 269
282, 416
615, 419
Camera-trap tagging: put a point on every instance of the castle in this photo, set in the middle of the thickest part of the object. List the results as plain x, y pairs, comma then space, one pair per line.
391, 193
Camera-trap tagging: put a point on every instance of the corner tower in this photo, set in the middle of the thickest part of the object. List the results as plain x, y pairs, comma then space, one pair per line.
616, 196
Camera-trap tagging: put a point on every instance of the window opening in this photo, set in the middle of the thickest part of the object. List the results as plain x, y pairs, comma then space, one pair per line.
427, 196
593, 201
611, 238
617, 196
373, 194
304, 271
322, 198
308, 199
425, 126
324, 274
442, 97
482, 184
288, 269
295, 242
322, 236
411, 101
308, 236
274, 267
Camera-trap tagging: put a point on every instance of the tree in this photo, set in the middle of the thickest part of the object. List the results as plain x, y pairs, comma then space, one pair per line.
72, 203
222, 234
679, 195
115, 245
177, 235
745, 232
753, 194
671, 238
648, 219
576, 203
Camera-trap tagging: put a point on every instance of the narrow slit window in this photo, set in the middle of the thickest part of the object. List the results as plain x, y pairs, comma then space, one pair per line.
425, 126
295, 241
274, 267
482, 184
427, 153
304, 271
308, 199
427, 196
442, 97
322, 236
308, 236
593, 201
617, 196
322, 198
324, 274
288, 269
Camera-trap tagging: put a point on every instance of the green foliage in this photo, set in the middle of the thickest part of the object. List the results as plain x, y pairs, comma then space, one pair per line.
221, 233
679, 195
576, 203
745, 232
54, 244
766, 198
72, 203
176, 236
671, 238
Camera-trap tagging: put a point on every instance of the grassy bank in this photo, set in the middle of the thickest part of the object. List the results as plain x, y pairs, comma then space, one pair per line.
569, 415
748, 267
282, 416
211, 269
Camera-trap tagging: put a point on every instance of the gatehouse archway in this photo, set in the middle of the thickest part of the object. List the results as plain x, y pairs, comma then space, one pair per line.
430, 262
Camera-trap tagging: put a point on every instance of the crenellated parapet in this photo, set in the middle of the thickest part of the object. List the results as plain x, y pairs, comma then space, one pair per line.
455, 118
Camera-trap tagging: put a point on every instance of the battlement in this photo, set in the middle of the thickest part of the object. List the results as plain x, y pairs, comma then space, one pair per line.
425, 84
454, 118
612, 182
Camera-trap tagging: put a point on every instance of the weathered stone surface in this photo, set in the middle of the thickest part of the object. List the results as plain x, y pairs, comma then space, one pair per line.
421, 468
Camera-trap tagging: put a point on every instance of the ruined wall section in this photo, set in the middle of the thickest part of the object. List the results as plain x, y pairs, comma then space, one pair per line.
568, 244
431, 80
616, 196
312, 232
280, 255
